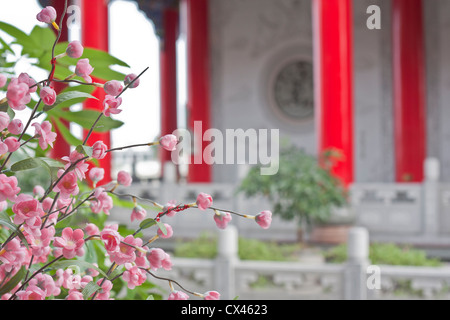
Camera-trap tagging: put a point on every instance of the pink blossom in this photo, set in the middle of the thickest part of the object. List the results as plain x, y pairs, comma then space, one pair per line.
124, 178
75, 295
15, 126
134, 276
48, 96
129, 78
178, 295
102, 201
4, 120
96, 174
3, 80
40, 244
45, 134
3, 148
211, 295
8, 188
169, 142
126, 252
12, 143
27, 210
138, 213
111, 105
38, 191
84, 69
113, 88
31, 293
99, 150
105, 291
264, 219
13, 255
17, 94
111, 238
169, 205
74, 49
46, 283
169, 232
222, 219
68, 185
158, 258
92, 229
93, 272
204, 201
71, 242
81, 166
47, 15
3, 205
25, 78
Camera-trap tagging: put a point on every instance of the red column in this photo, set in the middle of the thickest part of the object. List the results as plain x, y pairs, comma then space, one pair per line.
198, 91
94, 34
60, 147
409, 89
333, 70
168, 77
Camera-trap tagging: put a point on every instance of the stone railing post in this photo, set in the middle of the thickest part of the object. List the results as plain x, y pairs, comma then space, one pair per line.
355, 277
431, 197
227, 257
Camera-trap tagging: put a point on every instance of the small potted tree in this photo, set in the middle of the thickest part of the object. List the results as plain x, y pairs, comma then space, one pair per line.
305, 190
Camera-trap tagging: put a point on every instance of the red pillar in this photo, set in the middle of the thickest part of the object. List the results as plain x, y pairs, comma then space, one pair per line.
168, 77
60, 147
409, 89
198, 83
94, 34
333, 81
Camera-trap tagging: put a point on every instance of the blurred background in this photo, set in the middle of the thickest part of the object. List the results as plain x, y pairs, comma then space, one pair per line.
359, 93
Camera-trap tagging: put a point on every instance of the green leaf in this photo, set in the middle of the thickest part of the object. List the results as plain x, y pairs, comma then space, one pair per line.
90, 289
65, 132
86, 119
5, 220
147, 223
16, 33
69, 98
150, 297
13, 282
162, 227
82, 264
33, 163
87, 151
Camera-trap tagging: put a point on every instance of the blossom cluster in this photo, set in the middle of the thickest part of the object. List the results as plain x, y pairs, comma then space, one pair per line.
38, 241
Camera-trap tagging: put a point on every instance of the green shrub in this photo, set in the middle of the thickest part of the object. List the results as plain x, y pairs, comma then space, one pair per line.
249, 249
386, 253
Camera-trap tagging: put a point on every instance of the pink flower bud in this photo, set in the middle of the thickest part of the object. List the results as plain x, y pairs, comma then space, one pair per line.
12, 143
124, 178
264, 219
113, 87
138, 213
91, 229
129, 78
204, 201
3, 148
3, 80
38, 191
48, 96
99, 150
221, 219
211, 295
96, 174
25, 78
169, 232
178, 295
169, 142
15, 126
84, 69
74, 49
4, 120
47, 15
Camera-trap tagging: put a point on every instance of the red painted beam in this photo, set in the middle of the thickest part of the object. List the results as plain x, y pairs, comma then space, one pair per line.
333, 72
60, 147
408, 89
168, 78
198, 82
95, 34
